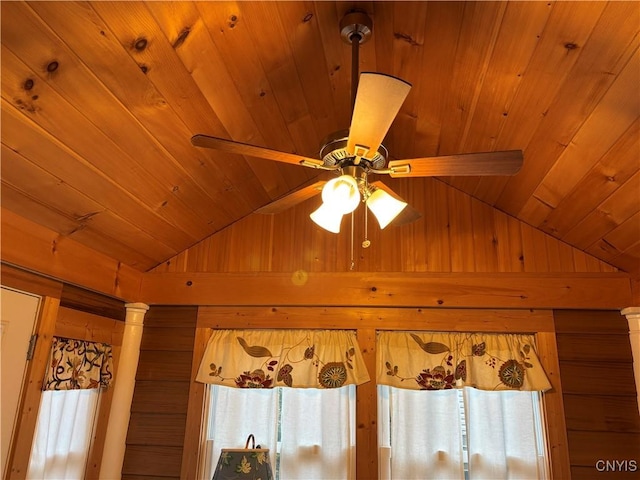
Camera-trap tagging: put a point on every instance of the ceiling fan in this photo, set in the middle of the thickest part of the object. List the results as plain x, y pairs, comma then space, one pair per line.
356, 153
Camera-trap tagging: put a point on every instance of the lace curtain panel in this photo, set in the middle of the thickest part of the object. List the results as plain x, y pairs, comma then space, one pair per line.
441, 361
283, 358
78, 364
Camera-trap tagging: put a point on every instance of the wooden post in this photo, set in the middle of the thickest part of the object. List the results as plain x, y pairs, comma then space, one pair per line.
554, 407
367, 411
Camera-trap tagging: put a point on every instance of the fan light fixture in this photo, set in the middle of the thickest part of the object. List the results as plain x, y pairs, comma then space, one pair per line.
341, 195
384, 207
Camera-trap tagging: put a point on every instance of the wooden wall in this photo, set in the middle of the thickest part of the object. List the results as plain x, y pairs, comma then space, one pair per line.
600, 400
456, 233
159, 409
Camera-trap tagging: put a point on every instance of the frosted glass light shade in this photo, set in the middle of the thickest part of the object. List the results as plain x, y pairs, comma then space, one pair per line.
384, 207
328, 218
341, 194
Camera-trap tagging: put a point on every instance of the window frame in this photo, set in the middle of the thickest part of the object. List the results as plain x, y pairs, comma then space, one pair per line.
367, 321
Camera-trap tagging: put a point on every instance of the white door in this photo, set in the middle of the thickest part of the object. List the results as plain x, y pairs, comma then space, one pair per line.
19, 313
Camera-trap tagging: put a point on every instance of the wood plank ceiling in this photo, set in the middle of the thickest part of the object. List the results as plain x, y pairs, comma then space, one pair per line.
100, 99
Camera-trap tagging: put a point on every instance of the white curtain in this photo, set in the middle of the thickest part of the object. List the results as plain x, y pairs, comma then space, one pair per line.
504, 435
318, 434
440, 434
310, 433
63, 434
422, 432
233, 415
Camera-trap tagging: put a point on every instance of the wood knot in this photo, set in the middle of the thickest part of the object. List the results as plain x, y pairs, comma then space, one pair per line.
144, 68
52, 66
233, 20
140, 44
182, 36
28, 84
406, 38
570, 46
374, 289
307, 17
440, 302
189, 283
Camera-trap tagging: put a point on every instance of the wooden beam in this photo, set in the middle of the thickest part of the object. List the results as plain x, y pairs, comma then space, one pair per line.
452, 290
38, 249
377, 318
28, 282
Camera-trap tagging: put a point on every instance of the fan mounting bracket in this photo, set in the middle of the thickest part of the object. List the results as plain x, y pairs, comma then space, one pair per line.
354, 25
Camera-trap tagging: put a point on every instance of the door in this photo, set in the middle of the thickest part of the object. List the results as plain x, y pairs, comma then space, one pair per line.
17, 323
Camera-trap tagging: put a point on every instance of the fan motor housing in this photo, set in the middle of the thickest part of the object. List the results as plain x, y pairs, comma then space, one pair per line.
333, 152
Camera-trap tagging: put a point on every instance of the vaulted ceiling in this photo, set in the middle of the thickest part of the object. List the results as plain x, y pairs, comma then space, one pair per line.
100, 100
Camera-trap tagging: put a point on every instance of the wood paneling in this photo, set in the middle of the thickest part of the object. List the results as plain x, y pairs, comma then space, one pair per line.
80, 299
143, 461
160, 404
590, 322
456, 233
39, 249
579, 377
601, 413
600, 399
151, 396
113, 91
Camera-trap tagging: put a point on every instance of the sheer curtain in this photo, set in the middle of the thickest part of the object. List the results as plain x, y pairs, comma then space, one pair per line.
441, 434
310, 432
504, 434
318, 434
420, 434
63, 434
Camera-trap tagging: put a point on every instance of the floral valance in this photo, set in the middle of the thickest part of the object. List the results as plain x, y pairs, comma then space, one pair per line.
283, 358
436, 361
78, 364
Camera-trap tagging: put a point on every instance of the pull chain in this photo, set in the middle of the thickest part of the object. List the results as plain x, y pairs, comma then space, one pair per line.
353, 262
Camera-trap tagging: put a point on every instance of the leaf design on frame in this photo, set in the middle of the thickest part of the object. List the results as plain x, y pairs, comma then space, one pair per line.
430, 347
255, 350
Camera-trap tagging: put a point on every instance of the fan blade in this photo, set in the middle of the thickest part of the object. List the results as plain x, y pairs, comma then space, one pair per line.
378, 100
292, 199
238, 148
408, 213
469, 164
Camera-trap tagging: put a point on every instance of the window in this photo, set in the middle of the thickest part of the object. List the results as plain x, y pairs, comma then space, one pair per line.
309, 432
460, 433
77, 371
